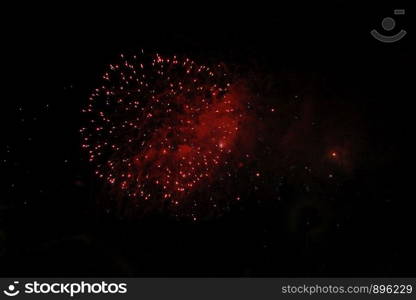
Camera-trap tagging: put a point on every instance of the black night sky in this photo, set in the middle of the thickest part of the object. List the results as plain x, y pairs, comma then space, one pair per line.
326, 194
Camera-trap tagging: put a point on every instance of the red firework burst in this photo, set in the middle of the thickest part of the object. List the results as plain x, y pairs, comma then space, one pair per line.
164, 131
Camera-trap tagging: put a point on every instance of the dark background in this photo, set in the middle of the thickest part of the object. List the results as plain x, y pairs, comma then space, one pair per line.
50, 224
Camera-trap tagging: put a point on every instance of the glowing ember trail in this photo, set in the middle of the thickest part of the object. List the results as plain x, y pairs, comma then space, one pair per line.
167, 134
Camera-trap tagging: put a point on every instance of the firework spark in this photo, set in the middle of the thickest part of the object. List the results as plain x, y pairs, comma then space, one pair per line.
162, 131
